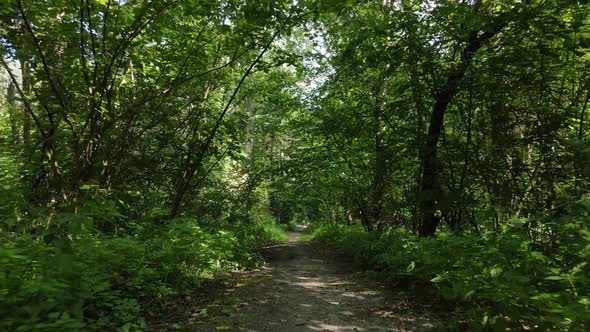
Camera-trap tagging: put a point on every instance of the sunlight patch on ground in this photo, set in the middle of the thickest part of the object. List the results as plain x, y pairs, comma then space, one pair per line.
321, 326
369, 292
319, 284
312, 284
353, 295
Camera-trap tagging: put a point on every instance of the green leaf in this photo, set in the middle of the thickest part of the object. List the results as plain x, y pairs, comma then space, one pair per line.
495, 272
555, 278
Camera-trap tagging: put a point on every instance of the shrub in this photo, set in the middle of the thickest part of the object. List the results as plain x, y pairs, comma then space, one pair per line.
69, 276
506, 279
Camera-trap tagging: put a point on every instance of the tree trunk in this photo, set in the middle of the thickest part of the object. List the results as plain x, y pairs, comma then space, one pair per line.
429, 189
26, 87
417, 91
380, 166
582, 114
249, 146
11, 99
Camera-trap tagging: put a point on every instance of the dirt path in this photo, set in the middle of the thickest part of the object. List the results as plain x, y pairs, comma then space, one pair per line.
304, 287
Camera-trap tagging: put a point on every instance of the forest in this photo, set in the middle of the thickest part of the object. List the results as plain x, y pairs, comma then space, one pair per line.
150, 149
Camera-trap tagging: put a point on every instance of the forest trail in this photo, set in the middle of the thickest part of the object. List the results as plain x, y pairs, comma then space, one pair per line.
306, 287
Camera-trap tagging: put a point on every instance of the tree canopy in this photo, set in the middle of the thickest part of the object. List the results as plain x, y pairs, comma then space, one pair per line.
156, 142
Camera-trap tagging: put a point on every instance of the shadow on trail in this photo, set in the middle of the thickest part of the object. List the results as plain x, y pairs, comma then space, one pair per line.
304, 287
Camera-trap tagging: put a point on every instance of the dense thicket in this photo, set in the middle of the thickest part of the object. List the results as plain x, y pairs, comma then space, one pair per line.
127, 156
467, 119
147, 145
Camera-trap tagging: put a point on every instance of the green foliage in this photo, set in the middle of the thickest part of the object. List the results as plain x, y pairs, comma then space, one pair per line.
86, 280
502, 280
147, 145
264, 221
12, 193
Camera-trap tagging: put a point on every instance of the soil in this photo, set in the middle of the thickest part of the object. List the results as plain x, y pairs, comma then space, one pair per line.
304, 287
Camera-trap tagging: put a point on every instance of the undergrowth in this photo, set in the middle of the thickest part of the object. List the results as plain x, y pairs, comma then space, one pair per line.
73, 271
500, 280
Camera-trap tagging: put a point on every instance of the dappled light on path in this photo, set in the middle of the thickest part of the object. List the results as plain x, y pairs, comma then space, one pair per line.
304, 287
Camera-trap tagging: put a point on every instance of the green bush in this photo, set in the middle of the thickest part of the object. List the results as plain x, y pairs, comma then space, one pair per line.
506, 279
74, 274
